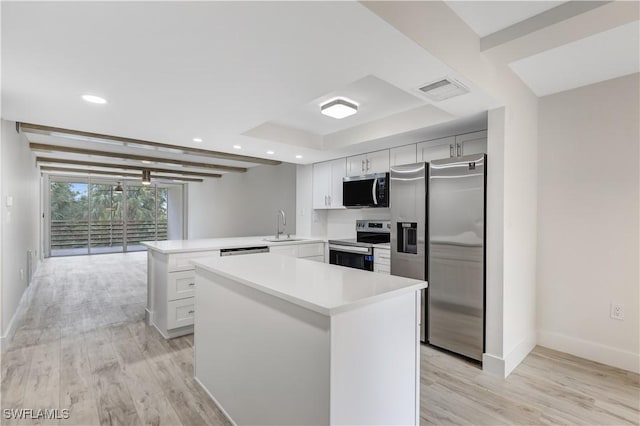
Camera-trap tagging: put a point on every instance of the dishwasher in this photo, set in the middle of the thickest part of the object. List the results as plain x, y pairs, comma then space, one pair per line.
243, 250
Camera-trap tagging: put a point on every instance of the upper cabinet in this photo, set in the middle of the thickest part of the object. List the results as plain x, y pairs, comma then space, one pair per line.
453, 146
437, 149
327, 184
372, 162
403, 155
471, 143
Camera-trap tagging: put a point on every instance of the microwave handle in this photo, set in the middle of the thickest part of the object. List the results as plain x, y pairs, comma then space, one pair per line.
373, 192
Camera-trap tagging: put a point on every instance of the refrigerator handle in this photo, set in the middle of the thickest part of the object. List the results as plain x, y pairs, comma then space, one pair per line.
373, 192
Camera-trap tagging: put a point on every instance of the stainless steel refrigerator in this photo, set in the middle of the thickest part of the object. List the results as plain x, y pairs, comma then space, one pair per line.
444, 201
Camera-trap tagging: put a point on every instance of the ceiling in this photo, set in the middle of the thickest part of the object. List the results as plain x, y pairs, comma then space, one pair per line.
254, 74
560, 45
174, 71
488, 17
600, 57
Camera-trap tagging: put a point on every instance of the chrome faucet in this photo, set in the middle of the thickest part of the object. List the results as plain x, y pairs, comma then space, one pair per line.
284, 223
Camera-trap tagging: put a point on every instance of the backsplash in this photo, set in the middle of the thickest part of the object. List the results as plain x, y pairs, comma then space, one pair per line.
342, 223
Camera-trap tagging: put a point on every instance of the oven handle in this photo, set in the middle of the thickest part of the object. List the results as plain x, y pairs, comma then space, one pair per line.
350, 249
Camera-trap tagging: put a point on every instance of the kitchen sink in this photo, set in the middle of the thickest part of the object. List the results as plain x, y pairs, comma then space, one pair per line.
282, 240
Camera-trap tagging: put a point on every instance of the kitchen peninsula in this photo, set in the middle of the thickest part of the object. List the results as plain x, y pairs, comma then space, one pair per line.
171, 277
280, 340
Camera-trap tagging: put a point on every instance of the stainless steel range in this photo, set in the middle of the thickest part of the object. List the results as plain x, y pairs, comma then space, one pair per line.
358, 252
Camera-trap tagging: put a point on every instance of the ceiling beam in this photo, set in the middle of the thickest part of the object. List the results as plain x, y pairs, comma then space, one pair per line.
111, 173
124, 167
57, 131
83, 151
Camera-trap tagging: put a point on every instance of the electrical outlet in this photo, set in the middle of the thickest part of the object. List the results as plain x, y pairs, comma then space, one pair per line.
617, 311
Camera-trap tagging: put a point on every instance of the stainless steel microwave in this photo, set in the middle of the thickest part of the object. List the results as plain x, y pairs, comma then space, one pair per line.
366, 191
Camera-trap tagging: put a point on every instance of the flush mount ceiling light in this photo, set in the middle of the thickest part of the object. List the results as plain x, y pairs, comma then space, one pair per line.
94, 99
298, 156
339, 108
237, 147
147, 161
198, 140
270, 152
146, 177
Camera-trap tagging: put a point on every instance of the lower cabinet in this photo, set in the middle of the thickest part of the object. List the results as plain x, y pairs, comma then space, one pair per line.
172, 283
382, 260
314, 251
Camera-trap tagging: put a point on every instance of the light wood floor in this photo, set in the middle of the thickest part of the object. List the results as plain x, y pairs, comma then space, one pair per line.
83, 345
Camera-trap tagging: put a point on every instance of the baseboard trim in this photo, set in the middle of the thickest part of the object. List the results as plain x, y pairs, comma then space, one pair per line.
593, 351
25, 300
504, 366
215, 401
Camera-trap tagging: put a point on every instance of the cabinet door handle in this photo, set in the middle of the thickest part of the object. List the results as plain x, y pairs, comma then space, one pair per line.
367, 164
459, 147
362, 166
329, 201
451, 154
192, 284
192, 311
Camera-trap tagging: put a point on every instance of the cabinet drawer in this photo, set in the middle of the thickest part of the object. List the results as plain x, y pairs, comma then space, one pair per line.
382, 257
180, 313
181, 261
382, 269
180, 285
310, 250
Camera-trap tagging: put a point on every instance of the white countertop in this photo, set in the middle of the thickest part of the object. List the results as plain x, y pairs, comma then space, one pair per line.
185, 246
320, 287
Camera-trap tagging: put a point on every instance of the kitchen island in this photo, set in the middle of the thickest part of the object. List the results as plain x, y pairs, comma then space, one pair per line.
280, 340
171, 277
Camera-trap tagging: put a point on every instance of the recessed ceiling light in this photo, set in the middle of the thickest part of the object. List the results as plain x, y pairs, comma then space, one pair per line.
198, 140
298, 156
270, 152
339, 108
237, 147
147, 161
94, 99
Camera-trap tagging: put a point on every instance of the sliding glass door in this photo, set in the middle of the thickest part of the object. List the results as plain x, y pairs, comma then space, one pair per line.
93, 216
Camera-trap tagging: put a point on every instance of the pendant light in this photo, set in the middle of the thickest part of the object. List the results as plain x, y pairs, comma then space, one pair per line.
119, 188
146, 177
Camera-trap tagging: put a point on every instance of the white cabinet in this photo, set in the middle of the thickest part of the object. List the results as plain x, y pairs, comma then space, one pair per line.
471, 143
437, 149
173, 282
372, 162
327, 184
312, 251
382, 260
403, 155
453, 146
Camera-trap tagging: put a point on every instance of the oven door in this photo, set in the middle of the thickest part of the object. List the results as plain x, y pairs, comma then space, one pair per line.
351, 256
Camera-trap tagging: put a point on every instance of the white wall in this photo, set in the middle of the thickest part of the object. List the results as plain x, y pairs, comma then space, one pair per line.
175, 212
243, 204
20, 179
588, 221
511, 170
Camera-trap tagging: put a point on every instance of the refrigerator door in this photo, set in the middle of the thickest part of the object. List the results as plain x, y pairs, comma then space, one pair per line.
408, 203
456, 255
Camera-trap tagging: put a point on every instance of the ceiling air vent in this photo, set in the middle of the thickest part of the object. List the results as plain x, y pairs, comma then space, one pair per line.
444, 89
